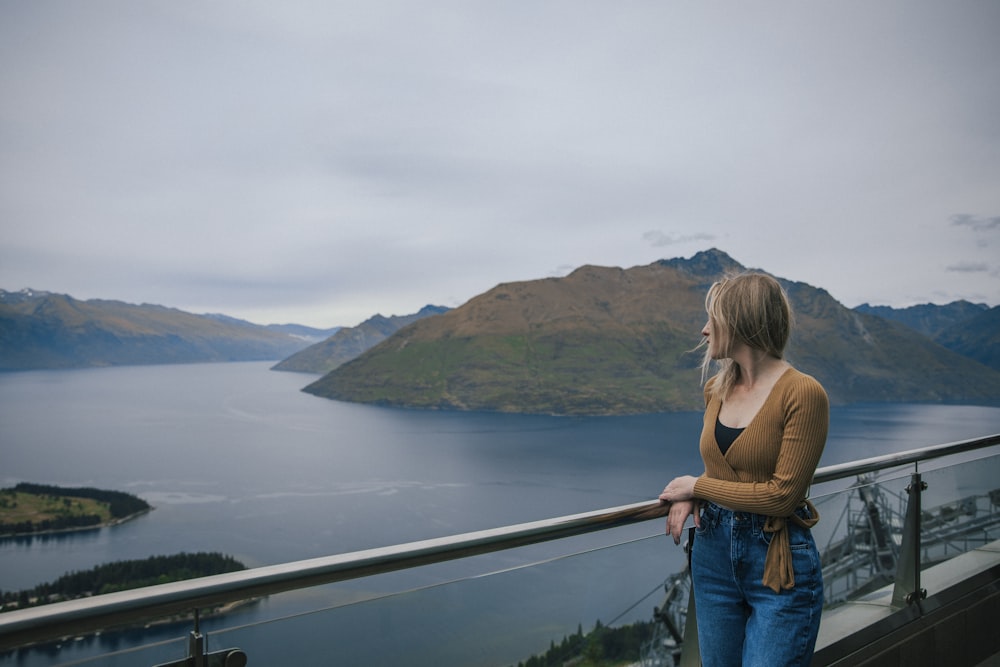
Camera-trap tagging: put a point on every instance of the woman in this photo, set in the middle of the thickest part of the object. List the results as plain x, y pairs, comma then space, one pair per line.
754, 565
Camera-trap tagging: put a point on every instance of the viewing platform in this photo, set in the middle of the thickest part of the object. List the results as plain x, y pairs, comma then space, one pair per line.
954, 625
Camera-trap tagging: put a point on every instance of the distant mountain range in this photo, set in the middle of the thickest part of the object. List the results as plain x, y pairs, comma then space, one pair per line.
971, 329
47, 330
929, 319
350, 342
601, 340
613, 341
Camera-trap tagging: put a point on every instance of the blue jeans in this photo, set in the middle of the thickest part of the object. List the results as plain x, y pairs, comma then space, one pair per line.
740, 620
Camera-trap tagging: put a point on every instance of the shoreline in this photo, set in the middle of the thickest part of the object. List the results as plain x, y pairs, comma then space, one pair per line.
78, 529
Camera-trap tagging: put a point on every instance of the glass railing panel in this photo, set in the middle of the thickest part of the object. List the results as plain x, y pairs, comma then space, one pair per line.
861, 528
960, 508
858, 534
497, 609
133, 647
512, 608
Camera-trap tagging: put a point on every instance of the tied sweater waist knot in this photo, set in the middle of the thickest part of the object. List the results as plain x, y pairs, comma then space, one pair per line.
778, 572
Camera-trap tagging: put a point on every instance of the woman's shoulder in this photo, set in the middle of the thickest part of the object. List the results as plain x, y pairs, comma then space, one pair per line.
796, 382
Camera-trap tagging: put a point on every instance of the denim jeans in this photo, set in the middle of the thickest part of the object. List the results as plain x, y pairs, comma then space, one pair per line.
740, 620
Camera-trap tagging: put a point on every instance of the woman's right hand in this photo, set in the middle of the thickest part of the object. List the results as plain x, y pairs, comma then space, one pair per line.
677, 517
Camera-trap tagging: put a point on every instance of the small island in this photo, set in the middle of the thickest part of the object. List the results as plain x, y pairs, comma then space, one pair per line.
32, 509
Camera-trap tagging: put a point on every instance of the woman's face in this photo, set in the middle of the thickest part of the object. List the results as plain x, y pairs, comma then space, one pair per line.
712, 333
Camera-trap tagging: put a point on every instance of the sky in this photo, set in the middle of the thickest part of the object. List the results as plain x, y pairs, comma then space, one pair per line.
321, 162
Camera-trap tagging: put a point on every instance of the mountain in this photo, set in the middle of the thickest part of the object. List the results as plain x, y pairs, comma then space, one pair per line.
977, 338
607, 340
349, 342
47, 330
970, 329
300, 331
308, 334
928, 318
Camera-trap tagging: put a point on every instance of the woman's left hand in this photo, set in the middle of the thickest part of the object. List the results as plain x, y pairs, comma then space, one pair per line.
677, 517
680, 488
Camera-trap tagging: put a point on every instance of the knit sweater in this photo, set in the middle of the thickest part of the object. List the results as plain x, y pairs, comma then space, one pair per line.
770, 466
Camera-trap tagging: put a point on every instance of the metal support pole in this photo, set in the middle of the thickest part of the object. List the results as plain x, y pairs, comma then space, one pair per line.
907, 588
196, 649
690, 652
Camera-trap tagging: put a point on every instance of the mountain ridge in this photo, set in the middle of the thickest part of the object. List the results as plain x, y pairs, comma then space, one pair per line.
928, 318
349, 342
970, 329
46, 330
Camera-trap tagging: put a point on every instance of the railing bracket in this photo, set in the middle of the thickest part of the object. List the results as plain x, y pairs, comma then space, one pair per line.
227, 657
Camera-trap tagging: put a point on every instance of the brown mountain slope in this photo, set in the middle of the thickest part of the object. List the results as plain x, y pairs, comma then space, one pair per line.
614, 341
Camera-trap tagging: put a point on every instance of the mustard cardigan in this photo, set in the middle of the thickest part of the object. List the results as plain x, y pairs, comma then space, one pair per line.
768, 469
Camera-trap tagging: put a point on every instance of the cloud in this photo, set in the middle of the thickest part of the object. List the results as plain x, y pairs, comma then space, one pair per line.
976, 223
658, 239
968, 267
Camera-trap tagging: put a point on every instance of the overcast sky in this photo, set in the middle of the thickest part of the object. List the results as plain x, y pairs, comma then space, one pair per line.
320, 162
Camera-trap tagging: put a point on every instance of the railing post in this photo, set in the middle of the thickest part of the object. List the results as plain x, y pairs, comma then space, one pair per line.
196, 647
690, 652
907, 588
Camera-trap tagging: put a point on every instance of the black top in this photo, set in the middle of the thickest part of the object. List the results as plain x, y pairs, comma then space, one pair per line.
725, 435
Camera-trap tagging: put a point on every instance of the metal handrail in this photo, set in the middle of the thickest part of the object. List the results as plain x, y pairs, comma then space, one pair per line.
861, 466
84, 615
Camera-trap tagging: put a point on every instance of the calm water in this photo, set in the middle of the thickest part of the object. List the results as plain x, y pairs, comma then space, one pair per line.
236, 459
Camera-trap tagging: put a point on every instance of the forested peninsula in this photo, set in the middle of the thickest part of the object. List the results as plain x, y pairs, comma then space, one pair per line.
31, 509
121, 576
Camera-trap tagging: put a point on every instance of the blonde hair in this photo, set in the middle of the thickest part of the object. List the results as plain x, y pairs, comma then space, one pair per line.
748, 308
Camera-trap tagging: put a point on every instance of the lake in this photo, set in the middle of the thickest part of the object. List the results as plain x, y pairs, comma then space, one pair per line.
236, 459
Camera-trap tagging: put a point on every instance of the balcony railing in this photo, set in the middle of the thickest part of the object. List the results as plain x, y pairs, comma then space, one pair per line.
52, 622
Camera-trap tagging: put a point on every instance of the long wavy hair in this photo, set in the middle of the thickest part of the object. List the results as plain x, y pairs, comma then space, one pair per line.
749, 308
